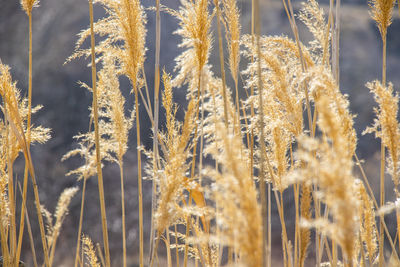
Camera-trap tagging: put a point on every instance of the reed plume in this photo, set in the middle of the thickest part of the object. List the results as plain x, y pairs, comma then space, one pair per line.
28, 5
53, 230
331, 171
313, 16
90, 253
238, 212
381, 11
386, 126
194, 28
368, 229
172, 180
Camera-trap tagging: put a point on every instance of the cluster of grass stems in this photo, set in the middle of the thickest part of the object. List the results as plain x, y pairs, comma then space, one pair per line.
215, 173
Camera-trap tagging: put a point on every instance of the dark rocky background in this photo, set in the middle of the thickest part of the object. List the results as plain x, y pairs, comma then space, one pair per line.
55, 25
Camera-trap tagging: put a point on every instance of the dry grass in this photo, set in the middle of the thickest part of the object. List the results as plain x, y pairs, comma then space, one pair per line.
218, 212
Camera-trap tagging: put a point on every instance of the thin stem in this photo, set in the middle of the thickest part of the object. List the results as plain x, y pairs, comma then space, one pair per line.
155, 125
382, 171
382, 202
262, 140
188, 222
121, 171
176, 246
11, 203
97, 141
222, 62
28, 126
78, 243
30, 234
168, 247
139, 177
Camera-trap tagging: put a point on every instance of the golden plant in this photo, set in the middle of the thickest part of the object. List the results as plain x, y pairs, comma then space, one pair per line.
215, 172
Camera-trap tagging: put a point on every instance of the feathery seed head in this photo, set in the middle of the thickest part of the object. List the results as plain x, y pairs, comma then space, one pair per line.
381, 12
90, 253
195, 23
28, 5
368, 228
231, 18
386, 126
16, 110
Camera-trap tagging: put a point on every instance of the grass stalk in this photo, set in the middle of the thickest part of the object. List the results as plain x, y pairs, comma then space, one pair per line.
168, 247
156, 115
261, 141
97, 141
176, 246
192, 172
11, 201
78, 242
121, 172
382, 170
28, 126
222, 62
140, 192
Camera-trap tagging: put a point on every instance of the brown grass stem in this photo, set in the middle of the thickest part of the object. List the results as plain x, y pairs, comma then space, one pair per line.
97, 140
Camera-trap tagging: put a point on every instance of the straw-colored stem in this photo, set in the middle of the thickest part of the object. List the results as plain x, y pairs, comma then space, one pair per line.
35, 264
382, 171
22, 219
140, 193
176, 246
11, 201
279, 201
11, 240
168, 247
261, 141
28, 126
100, 253
156, 115
121, 172
398, 225
38, 207
334, 254
194, 153
382, 202
222, 63
252, 93
97, 141
336, 44
4, 246
78, 242
237, 107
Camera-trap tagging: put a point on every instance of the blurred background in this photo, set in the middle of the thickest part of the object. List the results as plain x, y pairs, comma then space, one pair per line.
55, 86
